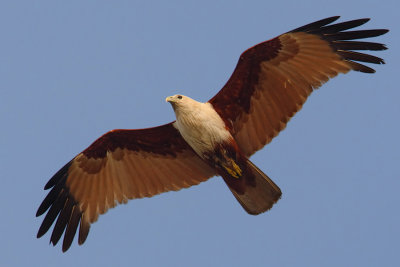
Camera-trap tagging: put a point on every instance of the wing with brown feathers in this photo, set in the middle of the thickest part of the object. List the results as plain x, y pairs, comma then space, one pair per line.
273, 79
120, 165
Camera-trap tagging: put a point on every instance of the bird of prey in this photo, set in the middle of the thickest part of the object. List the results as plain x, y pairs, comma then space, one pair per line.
270, 83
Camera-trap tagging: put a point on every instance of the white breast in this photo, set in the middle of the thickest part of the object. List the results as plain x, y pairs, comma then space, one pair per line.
200, 126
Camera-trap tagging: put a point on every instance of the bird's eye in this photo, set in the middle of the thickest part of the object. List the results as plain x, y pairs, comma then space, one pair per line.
179, 97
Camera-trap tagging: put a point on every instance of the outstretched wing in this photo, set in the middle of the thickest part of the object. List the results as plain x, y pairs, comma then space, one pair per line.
273, 79
120, 165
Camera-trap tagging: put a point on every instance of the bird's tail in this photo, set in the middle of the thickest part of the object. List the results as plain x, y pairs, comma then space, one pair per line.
254, 190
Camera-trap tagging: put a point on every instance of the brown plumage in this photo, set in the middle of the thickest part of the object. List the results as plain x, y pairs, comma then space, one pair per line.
270, 83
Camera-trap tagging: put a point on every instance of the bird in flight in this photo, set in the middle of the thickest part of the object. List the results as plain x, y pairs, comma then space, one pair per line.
270, 83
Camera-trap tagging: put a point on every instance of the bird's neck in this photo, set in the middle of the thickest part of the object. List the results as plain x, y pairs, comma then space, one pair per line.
201, 127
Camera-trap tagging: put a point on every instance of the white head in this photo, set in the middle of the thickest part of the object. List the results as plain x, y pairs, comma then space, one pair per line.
199, 123
181, 103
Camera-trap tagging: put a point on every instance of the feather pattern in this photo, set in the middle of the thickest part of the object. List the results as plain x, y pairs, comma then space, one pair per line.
276, 77
120, 165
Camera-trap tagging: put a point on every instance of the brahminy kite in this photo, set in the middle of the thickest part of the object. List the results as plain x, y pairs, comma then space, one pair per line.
270, 83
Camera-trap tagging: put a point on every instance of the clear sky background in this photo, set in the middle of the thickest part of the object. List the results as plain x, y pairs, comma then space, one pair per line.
73, 70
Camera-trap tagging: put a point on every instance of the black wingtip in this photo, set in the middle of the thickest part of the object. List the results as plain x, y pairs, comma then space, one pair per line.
344, 40
71, 228
316, 24
58, 176
342, 26
51, 197
384, 31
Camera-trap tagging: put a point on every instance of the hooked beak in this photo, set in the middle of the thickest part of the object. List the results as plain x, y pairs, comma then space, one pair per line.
169, 99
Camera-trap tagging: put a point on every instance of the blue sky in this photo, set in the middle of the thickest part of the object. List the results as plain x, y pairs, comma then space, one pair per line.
71, 71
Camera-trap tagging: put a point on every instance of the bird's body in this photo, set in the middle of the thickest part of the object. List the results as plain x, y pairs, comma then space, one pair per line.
208, 135
199, 124
270, 83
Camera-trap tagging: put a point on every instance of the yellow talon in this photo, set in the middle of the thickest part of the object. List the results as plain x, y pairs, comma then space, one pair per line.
237, 169
231, 172
236, 173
